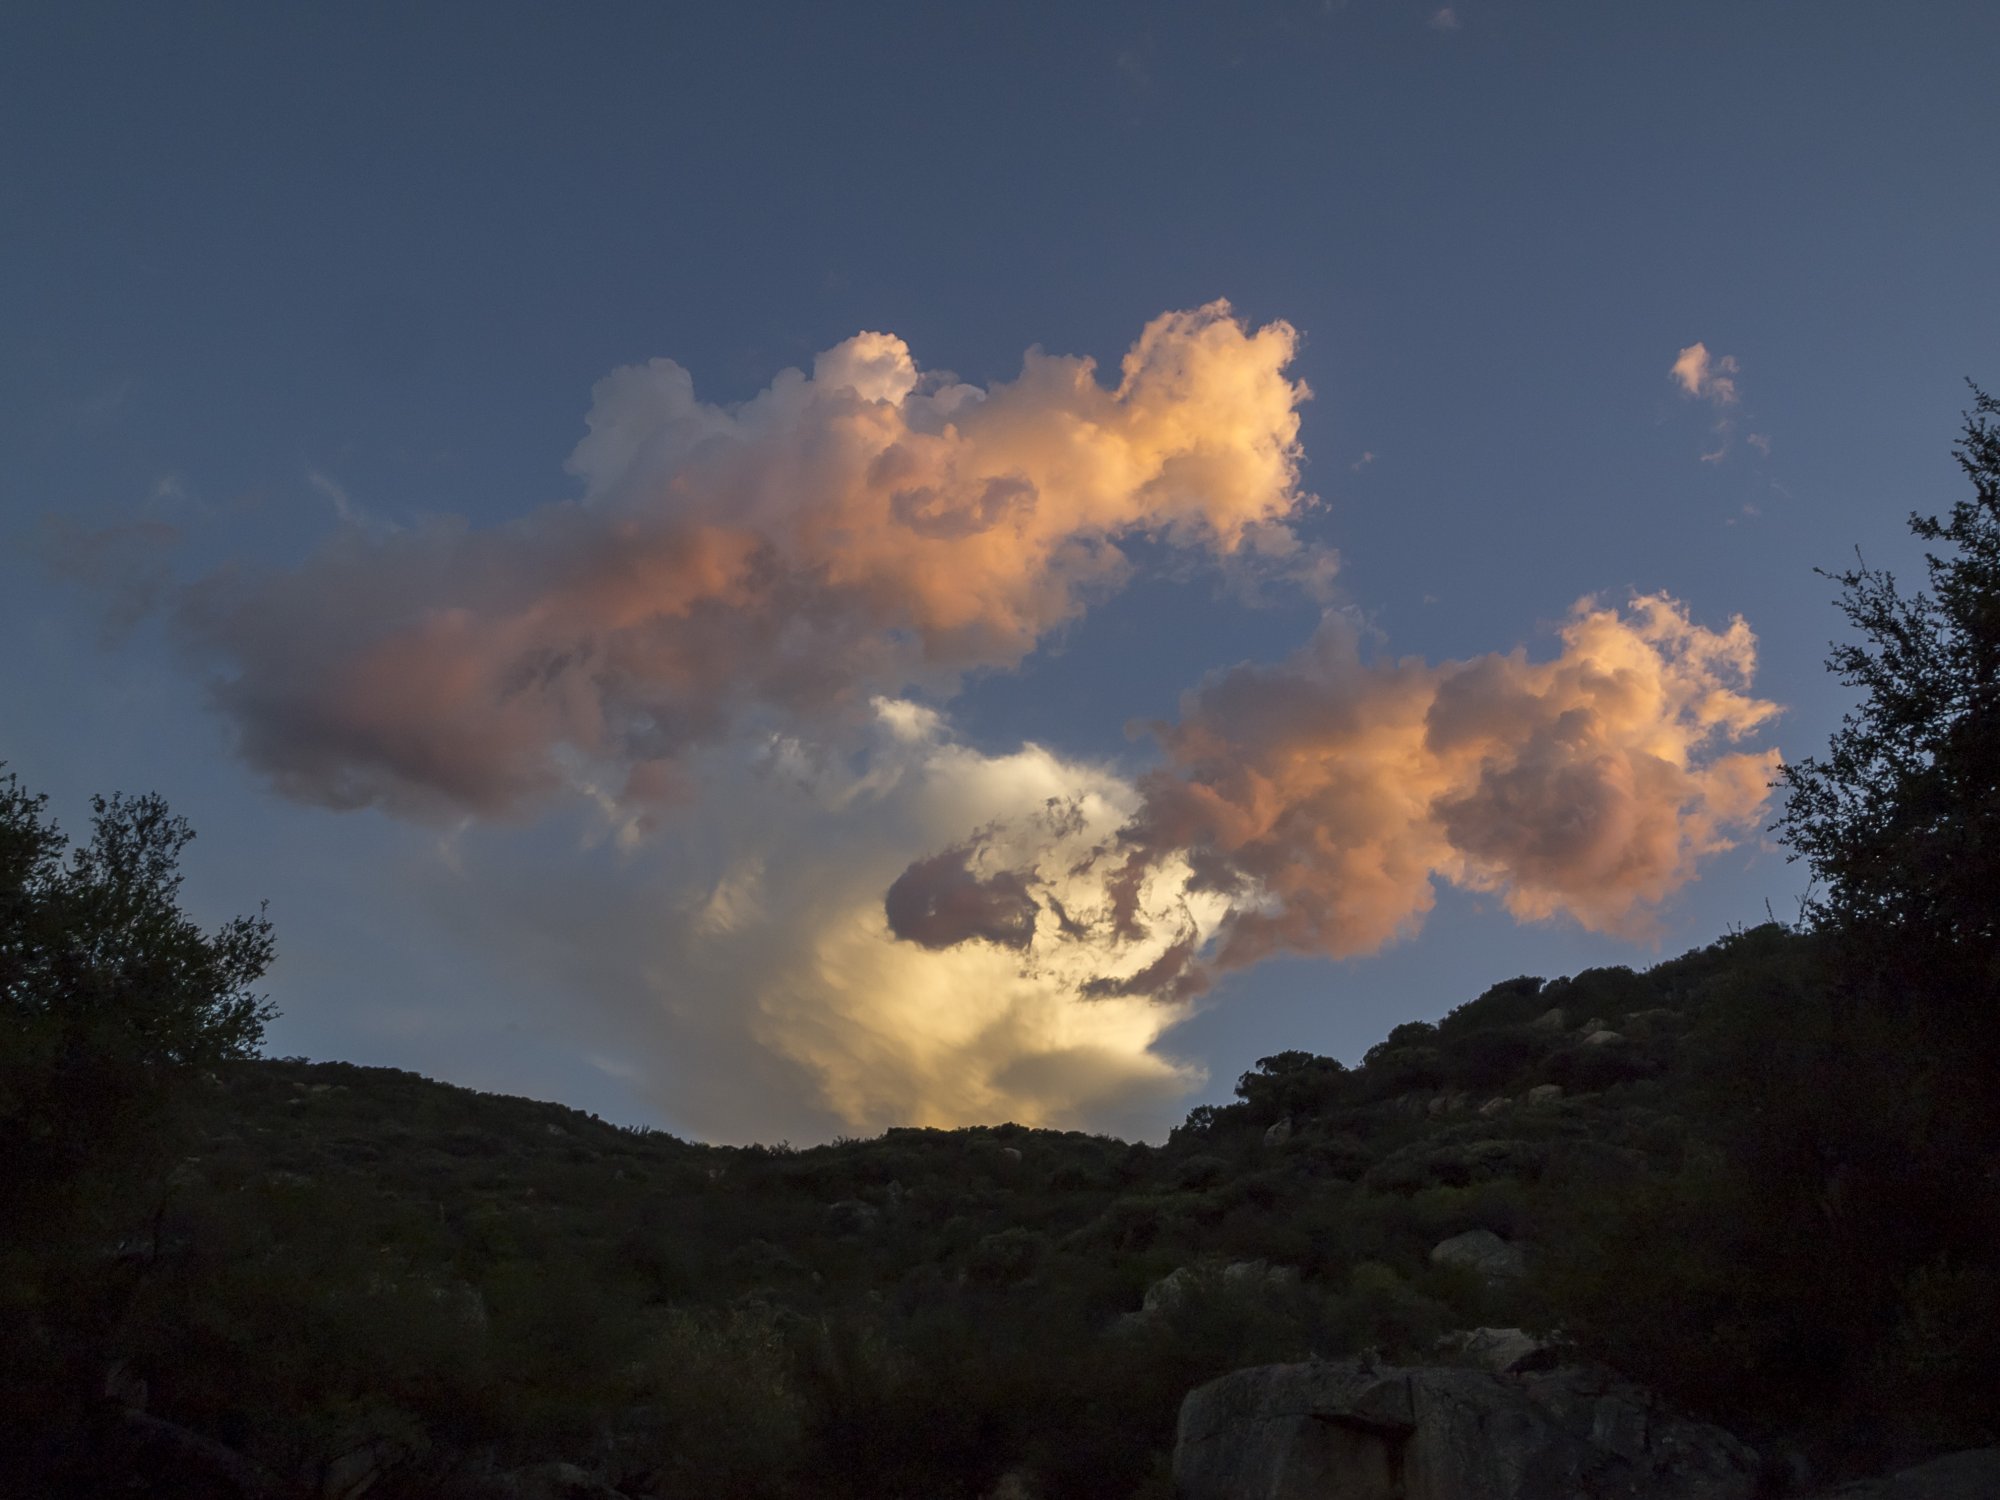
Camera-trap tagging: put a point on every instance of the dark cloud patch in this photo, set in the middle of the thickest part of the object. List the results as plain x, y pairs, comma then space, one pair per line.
940, 902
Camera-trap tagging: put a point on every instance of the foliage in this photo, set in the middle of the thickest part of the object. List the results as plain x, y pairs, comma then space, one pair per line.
110, 997
1900, 821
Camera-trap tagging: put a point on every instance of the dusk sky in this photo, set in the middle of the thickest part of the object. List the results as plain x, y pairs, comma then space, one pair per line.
781, 570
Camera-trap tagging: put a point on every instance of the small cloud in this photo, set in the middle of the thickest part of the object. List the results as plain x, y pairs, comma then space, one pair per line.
1717, 456
1362, 462
343, 503
1761, 442
1444, 18
1706, 378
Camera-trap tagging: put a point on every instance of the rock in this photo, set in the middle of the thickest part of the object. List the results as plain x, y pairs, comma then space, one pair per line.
1601, 1038
1971, 1475
852, 1216
1186, 1283
1011, 1155
1483, 1251
1256, 1276
562, 1482
1171, 1291
1595, 1023
1447, 1103
1551, 1019
1496, 1106
1505, 1351
1545, 1093
1278, 1134
1361, 1432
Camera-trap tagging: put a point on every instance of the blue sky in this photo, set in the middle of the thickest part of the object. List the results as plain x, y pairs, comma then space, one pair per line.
276, 277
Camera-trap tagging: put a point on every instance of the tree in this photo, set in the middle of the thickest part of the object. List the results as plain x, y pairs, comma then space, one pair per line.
1900, 821
112, 1001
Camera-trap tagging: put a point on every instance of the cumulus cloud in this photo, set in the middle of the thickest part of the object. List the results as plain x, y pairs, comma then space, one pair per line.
753, 978
866, 528
859, 920
1706, 378
1319, 802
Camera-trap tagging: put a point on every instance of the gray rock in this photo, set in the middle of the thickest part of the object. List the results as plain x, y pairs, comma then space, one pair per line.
1186, 1283
1279, 1133
1971, 1475
1545, 1093
1552, 1019
1351, 1431
852, 1216
1011, 1155
1483, 1251
1505, 1351
1256, 1276
1601, 1037
1171, 1291
1498, 1105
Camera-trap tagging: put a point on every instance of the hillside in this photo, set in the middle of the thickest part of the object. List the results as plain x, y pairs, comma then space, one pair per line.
358, 1274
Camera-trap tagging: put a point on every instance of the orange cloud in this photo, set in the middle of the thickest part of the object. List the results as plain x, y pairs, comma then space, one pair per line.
861, 529
1321, 800
1705, 378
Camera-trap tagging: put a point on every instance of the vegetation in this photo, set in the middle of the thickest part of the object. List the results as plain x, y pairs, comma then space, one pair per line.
1759, 1176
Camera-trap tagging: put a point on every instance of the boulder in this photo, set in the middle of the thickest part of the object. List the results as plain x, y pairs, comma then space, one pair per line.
852, 1216
1171, 1291
1011, 1155
1279, 1133
1351, 1430
1551, 1019
1499, 1105
1256, 1276
1483, 1251
1601, 1037
1545, 1093
1186, 1283
1971, 1475
1505, 1351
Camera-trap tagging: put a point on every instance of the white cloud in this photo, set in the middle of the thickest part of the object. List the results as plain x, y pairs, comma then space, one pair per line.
750, 978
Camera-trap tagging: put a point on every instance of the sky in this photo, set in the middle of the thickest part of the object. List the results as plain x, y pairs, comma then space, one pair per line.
775, 571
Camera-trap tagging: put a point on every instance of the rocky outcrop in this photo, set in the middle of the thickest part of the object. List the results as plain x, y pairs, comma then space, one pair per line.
1351, 1430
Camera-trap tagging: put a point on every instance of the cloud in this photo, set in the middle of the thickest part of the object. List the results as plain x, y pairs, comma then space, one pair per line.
1705, 378
804, 906
1319, 801
866, 528
1444, 18
750, 972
